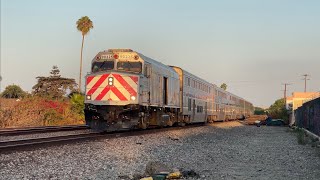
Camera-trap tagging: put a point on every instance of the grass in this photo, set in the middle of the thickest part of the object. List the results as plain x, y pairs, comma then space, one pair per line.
302, 139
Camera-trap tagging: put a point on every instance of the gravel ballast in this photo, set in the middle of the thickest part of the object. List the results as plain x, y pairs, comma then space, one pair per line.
219, 151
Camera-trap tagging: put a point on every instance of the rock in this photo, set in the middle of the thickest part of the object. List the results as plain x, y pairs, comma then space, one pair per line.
147, 178
137, 176
159, 177
190, 173
174, 175
174, 138
156, 167
124, 177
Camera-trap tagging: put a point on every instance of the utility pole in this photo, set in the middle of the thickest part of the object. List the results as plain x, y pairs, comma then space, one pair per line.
305, 81
285, 90
285, 93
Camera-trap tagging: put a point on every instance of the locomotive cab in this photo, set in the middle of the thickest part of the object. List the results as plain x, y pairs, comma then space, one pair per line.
112, 91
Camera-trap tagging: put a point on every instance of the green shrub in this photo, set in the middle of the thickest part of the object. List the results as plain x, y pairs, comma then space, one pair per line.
77, 104
52, 117
278, 110
13, 91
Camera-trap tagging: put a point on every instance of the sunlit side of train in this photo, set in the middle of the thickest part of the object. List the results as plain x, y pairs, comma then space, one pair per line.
127, 90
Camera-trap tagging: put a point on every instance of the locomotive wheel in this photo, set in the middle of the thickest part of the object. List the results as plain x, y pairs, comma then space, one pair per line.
169, 123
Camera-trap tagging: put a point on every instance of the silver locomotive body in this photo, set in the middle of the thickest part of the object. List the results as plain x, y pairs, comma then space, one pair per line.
128, 90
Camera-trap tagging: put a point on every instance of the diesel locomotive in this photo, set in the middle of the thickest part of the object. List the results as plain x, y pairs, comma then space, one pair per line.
127, 90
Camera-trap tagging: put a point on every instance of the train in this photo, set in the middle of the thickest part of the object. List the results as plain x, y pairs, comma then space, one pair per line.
128, 90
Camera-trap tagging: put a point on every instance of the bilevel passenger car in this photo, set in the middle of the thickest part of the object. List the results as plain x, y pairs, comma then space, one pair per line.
127, 90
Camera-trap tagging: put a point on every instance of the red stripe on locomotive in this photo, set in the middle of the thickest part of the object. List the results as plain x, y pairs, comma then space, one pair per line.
89, 79
118, 94
125, 84
134, 78
103, 93
97, 84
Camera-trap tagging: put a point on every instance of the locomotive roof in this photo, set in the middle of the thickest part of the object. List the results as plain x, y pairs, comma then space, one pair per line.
145, 58
155, 62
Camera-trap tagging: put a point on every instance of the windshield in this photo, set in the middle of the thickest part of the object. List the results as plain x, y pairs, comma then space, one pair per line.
102, 66
129, 66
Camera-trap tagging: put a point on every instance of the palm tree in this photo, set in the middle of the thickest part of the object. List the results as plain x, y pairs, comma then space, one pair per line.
224, 86
84, 24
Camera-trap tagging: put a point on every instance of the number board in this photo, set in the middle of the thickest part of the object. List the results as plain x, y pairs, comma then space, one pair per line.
126, 56
107, 56
120, 56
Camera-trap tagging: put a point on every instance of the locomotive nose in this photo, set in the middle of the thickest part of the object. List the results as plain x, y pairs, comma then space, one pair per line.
113, 88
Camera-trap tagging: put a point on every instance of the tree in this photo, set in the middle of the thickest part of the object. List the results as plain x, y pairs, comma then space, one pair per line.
84, 24
13, 91
278, 110
224, 86
259, 111
53, 86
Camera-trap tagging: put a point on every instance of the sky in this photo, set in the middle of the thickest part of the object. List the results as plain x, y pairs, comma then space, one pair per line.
251, 45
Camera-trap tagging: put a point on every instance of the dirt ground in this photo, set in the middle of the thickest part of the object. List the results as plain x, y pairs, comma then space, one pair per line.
226, 125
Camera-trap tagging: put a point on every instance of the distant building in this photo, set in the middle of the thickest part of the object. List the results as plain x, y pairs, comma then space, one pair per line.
297, 99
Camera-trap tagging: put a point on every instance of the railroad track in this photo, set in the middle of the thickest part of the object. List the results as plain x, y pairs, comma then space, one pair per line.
43, 129
21, 144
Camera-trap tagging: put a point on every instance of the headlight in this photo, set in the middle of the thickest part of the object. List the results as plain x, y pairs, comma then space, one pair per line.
110, 81
88, 97
133, 98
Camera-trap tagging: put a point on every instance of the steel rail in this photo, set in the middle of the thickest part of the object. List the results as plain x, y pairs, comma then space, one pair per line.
13, 144
21, 144
41, 129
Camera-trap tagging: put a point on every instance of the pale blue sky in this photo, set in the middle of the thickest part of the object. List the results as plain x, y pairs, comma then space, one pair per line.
251, 45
